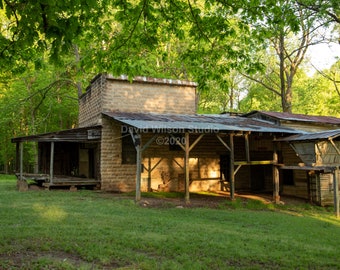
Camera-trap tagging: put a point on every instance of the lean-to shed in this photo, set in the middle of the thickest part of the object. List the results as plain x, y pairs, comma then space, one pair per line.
320, 157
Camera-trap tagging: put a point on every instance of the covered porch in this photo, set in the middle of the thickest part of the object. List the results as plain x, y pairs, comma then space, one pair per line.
244, 144
66, 158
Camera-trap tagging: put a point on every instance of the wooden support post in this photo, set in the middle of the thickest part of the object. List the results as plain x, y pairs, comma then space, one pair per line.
223, 142
276, 176
187, 175
246, 139
138, 172
21, 169
232, 174
136, 138
336, 192
51, 162
149, 174
150, 170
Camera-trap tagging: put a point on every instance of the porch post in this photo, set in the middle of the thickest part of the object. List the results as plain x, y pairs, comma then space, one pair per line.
276, 176
149, 174
187, 175
51, 162
21, 169
139, 170
336, 192
246, 138
232, 174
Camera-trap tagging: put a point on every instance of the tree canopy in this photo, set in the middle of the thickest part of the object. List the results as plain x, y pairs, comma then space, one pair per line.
244, 54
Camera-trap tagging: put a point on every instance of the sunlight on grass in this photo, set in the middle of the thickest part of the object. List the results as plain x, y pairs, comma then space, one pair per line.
50, 213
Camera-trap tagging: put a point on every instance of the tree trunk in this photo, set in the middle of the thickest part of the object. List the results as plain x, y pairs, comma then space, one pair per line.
231, 99
79, 86
286, 93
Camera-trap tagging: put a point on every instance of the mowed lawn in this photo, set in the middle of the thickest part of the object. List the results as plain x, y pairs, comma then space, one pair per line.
60, 229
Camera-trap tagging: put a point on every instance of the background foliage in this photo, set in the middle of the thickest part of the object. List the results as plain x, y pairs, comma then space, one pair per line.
245, 55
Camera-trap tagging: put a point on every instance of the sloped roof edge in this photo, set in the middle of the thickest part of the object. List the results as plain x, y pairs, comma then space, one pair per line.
82, 134
196, 123
296, 117
313, 136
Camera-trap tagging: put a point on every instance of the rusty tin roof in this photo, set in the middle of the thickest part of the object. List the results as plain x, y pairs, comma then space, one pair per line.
297, 117
196, 123
313, 136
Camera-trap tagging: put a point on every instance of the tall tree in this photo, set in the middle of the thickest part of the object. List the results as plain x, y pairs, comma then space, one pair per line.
287, 21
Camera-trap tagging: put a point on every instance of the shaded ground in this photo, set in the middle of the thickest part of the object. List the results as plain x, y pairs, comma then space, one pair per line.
215, 200
27, 260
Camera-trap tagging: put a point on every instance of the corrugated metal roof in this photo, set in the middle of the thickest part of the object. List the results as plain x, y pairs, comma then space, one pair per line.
323, 135
85, 134
297, 117
197, 123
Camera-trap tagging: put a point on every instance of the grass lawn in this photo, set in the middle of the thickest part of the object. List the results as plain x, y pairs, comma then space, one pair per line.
95, 230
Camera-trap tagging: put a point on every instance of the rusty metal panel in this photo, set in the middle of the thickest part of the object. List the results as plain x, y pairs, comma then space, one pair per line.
167, 123
295, 117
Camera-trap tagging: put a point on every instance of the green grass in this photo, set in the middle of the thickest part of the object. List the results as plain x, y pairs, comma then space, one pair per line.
92, 230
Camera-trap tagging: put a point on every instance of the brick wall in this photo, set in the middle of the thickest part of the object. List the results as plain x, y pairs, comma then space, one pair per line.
91, 103
115, 176
151, 95
107, 93
118, 94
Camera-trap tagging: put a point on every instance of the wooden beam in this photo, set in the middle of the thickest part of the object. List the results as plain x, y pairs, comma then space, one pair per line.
136, 138
187, 148
149, 174
237, 169
223, 142
195, 142
246, 141
150, 169
276, 176
258, 162
147, 144
179, 165
335, 147
51, 162
178, 142
336, 192
138, 171
187, 174
232, 160
21, 169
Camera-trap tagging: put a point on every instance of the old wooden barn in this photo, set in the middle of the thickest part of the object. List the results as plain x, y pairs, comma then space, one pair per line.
145, 135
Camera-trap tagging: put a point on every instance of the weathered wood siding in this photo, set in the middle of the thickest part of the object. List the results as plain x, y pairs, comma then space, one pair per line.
299, 186
322, 188
326, 188
326, 154
309, 127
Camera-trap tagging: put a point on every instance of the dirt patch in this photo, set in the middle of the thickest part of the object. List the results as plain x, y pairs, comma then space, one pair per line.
217, 200
26, 260
204, 201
